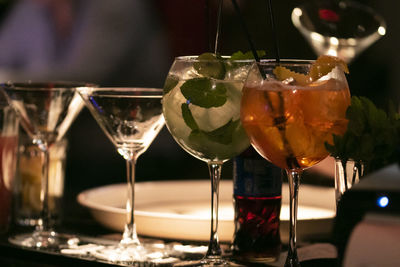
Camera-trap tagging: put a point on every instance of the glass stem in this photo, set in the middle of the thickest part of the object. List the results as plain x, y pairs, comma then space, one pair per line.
214, 249
294, 183
44, 220
129, 236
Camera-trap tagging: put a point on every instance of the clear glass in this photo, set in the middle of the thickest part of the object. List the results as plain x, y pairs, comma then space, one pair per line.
201, 106
8, 160
131, 118
338, 28
347, 173
26, 199
288, 114
46, 111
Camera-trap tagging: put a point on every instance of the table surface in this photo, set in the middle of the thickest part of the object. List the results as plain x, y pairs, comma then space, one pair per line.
77, 220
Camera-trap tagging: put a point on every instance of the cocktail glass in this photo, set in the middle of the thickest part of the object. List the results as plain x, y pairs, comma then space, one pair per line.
46, 111
338, 28
201, 106
131, 118
289, 110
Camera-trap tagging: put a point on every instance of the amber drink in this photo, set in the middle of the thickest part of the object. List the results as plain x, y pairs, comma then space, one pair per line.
289, 110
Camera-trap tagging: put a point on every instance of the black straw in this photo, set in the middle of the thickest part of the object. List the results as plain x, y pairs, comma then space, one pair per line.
242, 22
219, 22
274, 32
207, 23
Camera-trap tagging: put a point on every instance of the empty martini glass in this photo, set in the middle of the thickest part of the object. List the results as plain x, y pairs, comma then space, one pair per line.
338, 28
131, 118
46, 111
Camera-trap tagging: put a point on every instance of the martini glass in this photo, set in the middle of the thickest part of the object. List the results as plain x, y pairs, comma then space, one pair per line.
338, 28
289, 110
131, 118
46, 111
201, 106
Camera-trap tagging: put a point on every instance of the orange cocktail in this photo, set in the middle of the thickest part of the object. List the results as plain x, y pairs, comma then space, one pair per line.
289, 110
289, 123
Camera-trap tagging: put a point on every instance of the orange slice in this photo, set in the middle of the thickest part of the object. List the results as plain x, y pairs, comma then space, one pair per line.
283, 73
325, 64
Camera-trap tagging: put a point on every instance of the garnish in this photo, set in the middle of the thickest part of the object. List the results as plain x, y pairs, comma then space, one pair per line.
283, 73
206, 92
239, 55
372, 135
321, 67
210, 65
201, 92
222, 135
188, 117
325, 64
170, 83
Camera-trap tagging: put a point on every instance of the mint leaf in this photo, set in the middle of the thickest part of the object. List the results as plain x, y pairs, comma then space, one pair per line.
239, 55
201, 92
372, 135
222, 135
188, 117
210, 65
170, 83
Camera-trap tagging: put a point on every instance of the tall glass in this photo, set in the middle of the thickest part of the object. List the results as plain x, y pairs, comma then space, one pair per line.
131, 118
289, 110
46, 111
201, 106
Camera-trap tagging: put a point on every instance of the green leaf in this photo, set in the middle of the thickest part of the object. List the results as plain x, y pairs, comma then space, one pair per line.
372, 135
222, 135
210, 65
239, 55
170, 83
188, 117
201, 92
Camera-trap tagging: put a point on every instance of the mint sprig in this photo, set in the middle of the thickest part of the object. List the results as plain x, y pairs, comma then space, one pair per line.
206, 93
201, 92
372, 136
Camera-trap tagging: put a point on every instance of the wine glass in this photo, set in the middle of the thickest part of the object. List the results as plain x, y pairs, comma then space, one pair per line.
201, 106
131, 118
289, 110
46, 111
338, 28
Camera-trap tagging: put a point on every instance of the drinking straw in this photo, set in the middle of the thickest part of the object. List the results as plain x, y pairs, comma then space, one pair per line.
219, 21
207, 22
274, 32
246, 32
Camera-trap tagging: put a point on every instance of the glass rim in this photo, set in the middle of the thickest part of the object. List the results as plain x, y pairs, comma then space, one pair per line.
286, 62
128, 89
45, 85
194, 58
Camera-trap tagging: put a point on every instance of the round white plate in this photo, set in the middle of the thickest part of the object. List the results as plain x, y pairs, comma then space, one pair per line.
180, 210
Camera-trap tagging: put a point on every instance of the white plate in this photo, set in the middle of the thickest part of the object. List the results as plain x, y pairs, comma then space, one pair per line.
180, 210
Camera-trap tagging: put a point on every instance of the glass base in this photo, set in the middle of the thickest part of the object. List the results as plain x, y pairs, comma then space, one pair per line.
208, 262
122, 254
44, 239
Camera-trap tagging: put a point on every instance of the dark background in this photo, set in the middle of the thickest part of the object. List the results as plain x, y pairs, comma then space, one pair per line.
93, 161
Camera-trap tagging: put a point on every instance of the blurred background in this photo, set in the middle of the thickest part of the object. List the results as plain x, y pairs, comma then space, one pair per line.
133, 43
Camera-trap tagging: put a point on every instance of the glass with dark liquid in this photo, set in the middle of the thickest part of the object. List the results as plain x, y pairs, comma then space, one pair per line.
257, 203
